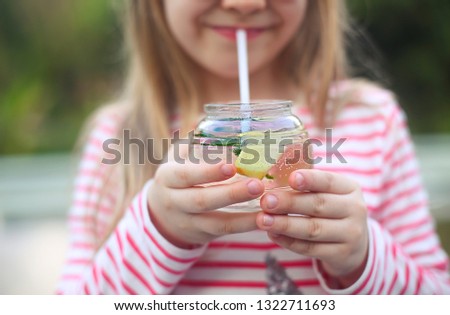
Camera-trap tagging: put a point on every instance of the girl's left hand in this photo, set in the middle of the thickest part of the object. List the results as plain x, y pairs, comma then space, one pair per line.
324, 217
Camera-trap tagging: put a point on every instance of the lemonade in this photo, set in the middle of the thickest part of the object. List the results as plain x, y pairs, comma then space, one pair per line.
272, 162
275, 145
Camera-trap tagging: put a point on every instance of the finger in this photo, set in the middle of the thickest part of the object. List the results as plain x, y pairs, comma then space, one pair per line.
177, 175
201, 199
320, 205
304, 228
219, 223
321, 181
307, 248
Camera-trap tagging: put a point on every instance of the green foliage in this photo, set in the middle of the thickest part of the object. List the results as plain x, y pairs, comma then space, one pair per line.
58, 60
61, 59
414, 39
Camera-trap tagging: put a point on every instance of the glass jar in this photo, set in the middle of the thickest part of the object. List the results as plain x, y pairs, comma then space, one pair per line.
263, 139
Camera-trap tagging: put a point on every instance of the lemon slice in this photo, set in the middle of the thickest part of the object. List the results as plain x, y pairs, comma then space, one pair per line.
254, 160
275, 160
258, 135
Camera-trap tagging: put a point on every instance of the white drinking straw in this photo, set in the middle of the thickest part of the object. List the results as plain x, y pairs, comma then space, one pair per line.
244, 86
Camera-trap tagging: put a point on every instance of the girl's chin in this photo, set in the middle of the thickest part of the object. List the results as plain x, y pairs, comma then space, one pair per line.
222, 73
230, 73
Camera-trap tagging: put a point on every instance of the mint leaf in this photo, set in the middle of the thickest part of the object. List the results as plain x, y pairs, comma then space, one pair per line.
237, 151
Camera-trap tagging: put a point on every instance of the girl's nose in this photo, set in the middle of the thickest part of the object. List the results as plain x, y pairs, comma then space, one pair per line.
244, 6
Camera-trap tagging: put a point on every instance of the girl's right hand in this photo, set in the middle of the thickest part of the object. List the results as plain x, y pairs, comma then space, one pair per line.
183, 211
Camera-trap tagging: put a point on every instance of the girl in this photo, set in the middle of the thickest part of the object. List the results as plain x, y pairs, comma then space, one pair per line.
140, 228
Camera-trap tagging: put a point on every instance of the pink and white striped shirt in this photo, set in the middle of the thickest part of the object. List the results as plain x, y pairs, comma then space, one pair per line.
405, 256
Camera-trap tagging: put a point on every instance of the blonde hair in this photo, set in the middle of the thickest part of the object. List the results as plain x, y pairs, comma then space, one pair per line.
162, 78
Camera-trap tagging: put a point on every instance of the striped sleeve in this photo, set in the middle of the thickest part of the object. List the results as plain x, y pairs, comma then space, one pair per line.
136, 258
405, 255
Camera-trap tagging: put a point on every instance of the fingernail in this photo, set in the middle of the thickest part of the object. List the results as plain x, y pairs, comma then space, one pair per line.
271, 201
254, 188
299, 180
227, 170
267, 220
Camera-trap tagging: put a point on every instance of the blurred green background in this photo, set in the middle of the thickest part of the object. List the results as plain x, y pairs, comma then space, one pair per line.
58, 61
61, 59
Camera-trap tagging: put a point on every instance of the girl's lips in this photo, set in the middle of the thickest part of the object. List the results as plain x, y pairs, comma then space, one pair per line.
230, 32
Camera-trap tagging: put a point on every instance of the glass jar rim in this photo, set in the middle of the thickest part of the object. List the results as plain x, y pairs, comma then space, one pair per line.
256, 105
